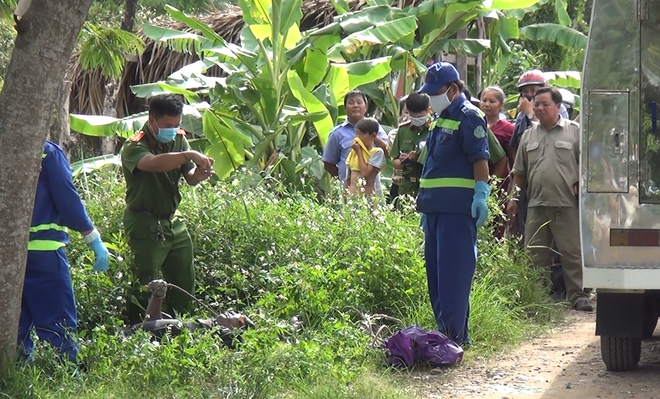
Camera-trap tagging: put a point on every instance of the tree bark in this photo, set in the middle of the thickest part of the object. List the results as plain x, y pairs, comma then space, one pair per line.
481, 34
110, 109
129, 15
43, 46
461, 60
60, 131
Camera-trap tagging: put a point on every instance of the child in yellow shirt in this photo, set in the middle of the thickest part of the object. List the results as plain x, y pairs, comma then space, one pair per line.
365, 160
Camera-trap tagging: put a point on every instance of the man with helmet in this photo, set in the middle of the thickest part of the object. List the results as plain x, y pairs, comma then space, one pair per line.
528, 83
452, 197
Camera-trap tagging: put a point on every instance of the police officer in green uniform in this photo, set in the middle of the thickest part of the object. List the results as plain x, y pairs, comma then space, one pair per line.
409, 141
153, 162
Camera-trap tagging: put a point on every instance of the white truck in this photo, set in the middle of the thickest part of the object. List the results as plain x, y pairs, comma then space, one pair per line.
620, 175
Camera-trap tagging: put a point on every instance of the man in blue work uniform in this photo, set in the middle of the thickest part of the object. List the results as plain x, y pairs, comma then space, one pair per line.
48, 303
453, 192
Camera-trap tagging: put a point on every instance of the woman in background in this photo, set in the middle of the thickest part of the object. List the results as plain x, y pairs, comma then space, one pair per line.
491, 103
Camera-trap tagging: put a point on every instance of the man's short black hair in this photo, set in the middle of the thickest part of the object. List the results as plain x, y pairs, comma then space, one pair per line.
417, 102
355, 93
368, 126
555, 94
165, 105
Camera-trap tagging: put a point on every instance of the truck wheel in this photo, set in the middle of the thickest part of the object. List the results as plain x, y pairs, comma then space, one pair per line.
650, 322
620, 353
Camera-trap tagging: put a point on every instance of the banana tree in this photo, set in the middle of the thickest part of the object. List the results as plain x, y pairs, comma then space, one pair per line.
378, 51
282, 86
438, 23
503, 30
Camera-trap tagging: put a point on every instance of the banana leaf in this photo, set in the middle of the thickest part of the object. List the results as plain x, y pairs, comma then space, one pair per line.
561, 35
91, 164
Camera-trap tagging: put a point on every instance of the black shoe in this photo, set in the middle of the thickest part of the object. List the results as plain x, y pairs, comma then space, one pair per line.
583, 305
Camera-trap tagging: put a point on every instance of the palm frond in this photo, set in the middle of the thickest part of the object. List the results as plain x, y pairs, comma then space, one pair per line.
160, 58
107, 48
175, 40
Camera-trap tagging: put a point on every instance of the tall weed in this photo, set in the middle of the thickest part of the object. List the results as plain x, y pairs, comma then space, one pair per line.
278, 256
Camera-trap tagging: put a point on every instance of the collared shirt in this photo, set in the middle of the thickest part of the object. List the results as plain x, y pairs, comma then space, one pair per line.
523, 123
457, 139
548, 159
339, 145
57, 205
155, 192
410, 138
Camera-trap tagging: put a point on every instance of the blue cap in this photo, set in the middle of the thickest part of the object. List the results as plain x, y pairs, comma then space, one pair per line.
437, 76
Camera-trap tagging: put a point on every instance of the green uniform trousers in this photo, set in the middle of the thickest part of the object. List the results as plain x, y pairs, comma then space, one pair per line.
545, 224
406, 187
173, 256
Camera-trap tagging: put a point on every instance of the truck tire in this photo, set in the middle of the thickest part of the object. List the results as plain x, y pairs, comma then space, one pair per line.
620, 353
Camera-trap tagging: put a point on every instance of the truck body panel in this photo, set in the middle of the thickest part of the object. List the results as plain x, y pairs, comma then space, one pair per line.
620, 147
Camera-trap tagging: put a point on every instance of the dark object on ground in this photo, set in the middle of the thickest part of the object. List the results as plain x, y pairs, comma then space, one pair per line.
414, 345
162, 327
226, 325
584, 305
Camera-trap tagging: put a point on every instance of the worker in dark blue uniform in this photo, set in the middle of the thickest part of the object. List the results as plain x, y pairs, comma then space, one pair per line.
453, 192
48, 303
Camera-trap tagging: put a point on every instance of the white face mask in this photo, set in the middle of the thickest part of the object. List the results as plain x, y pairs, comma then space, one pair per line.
440, 102
419, 120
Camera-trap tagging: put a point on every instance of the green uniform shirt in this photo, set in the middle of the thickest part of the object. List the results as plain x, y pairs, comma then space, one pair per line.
154, 192
494, 149
408, 138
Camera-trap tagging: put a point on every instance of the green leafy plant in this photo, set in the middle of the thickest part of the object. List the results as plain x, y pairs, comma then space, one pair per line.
275, 256
106, 49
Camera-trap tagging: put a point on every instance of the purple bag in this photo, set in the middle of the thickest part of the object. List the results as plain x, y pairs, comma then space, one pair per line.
415, 345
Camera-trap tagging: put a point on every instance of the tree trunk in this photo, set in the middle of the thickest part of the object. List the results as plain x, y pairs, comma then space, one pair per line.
60, 131
67, 140
461, 60
47, 35
478, 79
129, 15
109, 109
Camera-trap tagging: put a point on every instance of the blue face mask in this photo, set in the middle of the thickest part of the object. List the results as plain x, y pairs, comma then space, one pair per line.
166, 134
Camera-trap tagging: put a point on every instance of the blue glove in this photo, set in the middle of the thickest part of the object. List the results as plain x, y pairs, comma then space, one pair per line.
101, 254
479, 206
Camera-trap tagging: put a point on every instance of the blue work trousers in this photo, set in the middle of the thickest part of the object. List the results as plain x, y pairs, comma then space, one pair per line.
450, 253
48, 305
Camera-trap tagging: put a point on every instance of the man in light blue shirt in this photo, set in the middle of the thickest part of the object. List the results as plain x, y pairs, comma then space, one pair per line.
341, 138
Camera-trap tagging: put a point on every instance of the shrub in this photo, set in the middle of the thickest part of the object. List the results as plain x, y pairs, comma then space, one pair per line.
275, 256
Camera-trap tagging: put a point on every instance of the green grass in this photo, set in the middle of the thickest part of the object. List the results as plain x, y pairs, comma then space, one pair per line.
275, 255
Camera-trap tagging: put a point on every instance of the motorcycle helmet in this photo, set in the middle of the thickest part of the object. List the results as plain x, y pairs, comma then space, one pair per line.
533, 77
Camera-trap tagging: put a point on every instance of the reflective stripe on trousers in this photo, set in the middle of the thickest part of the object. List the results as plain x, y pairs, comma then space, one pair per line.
439, 182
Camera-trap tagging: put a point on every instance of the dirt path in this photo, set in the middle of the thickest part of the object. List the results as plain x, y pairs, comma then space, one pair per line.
564, 364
